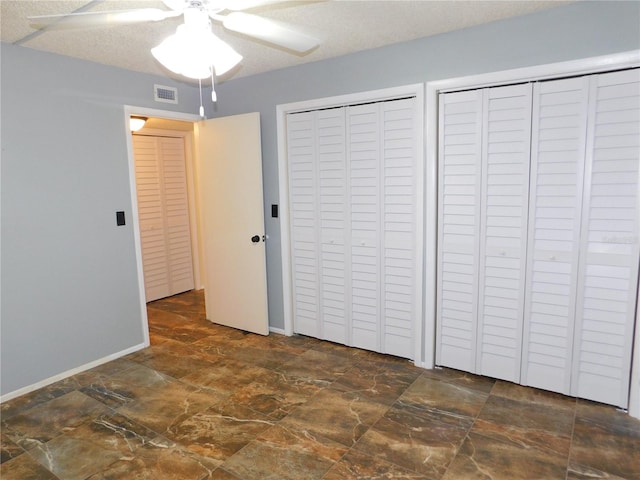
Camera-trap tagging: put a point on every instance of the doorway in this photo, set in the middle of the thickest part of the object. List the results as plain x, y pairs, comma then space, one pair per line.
166, 207
227, 161
159, 120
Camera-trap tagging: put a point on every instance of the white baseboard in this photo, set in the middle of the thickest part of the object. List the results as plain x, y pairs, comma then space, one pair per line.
61, 376
277, 330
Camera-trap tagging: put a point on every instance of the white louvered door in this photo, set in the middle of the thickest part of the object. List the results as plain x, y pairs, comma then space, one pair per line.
503, 229
334, 225
319, 223
558, 146
400, 269
303, 196
460, 139
163, 208
353, 196
364, 150
484, 179
574, 248
609, 252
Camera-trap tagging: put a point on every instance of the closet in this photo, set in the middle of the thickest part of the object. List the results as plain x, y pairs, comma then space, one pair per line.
353, 202
163, 212
538, 233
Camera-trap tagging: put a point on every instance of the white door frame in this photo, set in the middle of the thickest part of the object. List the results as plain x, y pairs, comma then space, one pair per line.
282, 111
147, 112
538, 72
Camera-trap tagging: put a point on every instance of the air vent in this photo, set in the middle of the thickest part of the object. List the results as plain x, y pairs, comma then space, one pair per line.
165, 94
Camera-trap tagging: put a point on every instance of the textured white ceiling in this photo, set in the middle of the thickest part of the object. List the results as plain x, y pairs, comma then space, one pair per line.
343, 27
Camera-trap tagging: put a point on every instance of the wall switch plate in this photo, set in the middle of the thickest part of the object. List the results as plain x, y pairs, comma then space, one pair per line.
120, 219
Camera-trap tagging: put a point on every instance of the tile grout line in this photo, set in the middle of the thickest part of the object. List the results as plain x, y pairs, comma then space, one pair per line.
466, 436
573, 428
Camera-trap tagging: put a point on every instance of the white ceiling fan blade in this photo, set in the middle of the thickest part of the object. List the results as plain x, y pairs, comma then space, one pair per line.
237, 5
270, 31
101, 19
176, 4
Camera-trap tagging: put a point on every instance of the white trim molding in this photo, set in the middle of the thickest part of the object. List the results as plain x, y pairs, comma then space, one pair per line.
74, 371
585, 66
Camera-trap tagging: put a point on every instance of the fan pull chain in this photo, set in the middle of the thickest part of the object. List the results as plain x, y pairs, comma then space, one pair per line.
201, 107
214, 96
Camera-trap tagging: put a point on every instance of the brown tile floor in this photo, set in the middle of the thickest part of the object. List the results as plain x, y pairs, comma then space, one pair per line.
210, 402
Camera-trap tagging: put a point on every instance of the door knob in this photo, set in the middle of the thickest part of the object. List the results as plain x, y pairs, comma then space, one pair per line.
255, 238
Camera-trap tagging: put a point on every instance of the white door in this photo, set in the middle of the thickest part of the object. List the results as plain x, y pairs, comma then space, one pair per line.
557, 163
609, 253
460, 140
319, 224
353, 189
302, 146
484, 179
383, 185
229, 164
503, 229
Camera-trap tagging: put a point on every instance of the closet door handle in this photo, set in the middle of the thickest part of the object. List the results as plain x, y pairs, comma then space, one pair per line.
255, 238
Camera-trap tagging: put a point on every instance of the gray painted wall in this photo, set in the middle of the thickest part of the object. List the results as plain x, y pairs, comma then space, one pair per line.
69, 284
69, 288
575, 31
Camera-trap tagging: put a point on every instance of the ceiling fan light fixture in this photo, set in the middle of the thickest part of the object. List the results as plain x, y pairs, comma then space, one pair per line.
224, 57
193, 51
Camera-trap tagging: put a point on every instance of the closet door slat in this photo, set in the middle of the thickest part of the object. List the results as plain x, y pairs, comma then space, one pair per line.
557, 160
503, 229
460, 141
609, 257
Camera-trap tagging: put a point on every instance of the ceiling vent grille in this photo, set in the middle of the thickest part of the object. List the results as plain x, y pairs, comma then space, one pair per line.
165, 94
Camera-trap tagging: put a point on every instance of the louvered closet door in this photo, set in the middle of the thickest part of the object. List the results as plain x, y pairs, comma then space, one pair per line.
163, 211
558, 146
151, 217
382, 155
399, 194
503, 229
176, 204
460, 183
609, 247
353, 200
319, 222
334, 225
303, 195
364, 139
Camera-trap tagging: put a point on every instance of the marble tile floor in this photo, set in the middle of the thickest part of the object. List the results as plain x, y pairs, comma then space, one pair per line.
210, 402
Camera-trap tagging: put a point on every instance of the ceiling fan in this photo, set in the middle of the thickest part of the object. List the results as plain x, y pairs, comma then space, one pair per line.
194, 40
